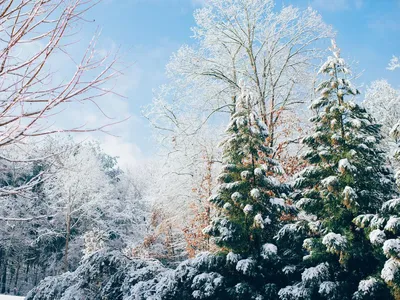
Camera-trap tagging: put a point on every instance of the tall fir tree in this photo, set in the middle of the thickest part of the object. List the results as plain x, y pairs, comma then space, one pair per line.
248, 194
346, 177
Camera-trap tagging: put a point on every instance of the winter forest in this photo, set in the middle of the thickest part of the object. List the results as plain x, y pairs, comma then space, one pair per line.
273, 171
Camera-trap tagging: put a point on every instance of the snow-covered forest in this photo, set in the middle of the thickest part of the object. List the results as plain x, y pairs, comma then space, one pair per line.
275, 174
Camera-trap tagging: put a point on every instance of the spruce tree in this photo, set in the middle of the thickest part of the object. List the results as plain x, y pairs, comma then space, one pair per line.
346, 177
247, 194
250, 202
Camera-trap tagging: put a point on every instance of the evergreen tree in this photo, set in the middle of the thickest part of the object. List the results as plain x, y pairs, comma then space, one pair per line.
346, 177
249, 210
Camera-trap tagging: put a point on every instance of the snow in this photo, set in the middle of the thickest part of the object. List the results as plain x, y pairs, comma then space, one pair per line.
377, 237
246, 266
269, 251
307, 244
227, 206
236, 196
205, 284
327, 287
344, 165
245, 175
255, 193
367, 286
314, 275
258, 220
232, 258
334, 242
329, 181
393, 225
296, 292
248, 209
391, 248
304, 202
8, 297
258, 172
391, 206
356, 123
349, 193
390, 270
277, 201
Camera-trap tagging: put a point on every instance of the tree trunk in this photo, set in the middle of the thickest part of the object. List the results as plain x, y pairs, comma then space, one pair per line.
271, 125
4, 277
68, 223
17, 274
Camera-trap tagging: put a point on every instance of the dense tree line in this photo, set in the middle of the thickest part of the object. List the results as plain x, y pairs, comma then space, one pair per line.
274, 207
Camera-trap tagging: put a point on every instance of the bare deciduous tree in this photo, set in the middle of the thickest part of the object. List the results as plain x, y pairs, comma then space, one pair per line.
240, 42
33, 33
36, 36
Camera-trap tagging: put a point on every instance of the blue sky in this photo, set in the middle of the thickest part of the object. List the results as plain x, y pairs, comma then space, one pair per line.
149, 31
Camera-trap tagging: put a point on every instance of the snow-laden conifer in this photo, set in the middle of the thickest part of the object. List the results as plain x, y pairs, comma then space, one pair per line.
347, 176
248, 196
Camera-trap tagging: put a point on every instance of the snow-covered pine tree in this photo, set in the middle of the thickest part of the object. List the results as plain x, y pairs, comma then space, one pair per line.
249, 210
346, 177
250, 203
